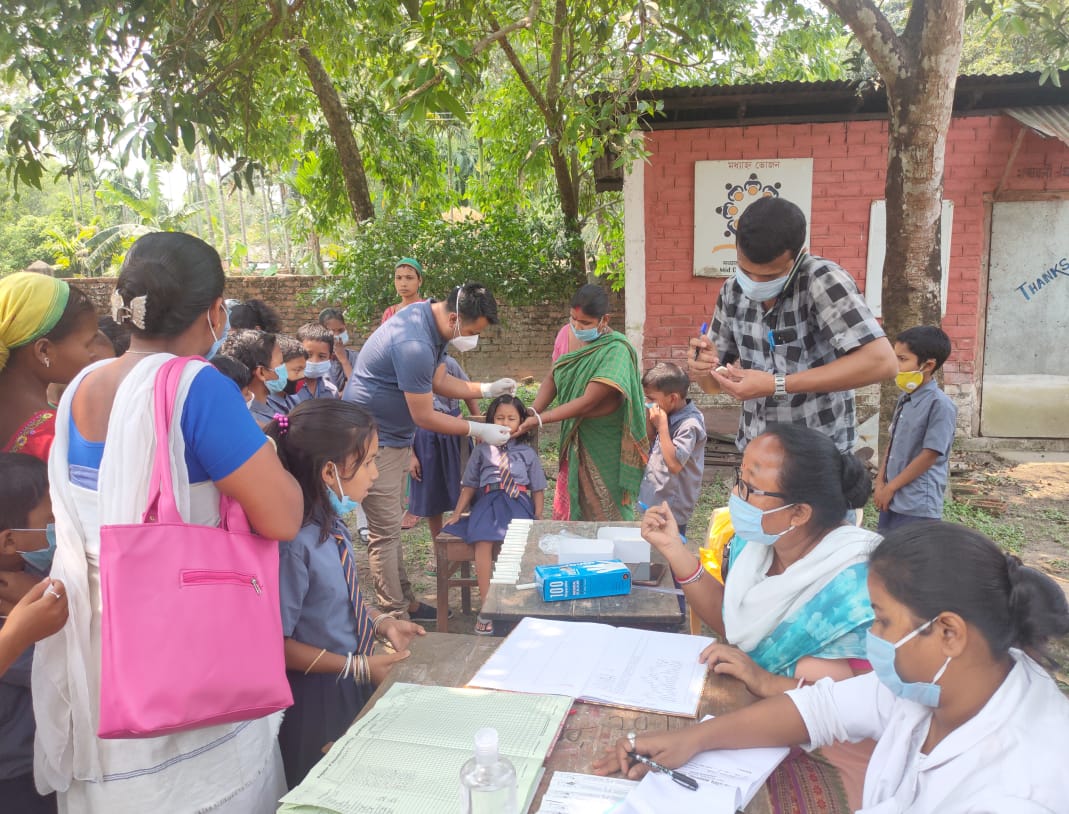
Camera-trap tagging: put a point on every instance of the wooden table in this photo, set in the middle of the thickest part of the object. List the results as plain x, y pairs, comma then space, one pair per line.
640, 608
451, 660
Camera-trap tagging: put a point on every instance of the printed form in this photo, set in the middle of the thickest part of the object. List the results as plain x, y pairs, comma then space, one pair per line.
640, 669
405, 755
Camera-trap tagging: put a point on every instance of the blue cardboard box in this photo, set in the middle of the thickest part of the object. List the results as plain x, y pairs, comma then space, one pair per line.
583, 580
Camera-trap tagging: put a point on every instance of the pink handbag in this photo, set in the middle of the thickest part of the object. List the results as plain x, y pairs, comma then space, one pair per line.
191, 633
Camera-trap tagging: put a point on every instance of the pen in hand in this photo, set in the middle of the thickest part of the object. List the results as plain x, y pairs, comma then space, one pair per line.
701, 332
679, 777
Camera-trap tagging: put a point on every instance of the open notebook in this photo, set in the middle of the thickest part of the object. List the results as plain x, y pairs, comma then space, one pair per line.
404, 756
602, 664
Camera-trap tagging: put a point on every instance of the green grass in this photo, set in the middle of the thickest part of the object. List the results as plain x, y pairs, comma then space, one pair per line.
1054, 516
1009, 536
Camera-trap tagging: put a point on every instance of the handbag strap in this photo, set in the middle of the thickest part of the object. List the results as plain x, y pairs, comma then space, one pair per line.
162, 505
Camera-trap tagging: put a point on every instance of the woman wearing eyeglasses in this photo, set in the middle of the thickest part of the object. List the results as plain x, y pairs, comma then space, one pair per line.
794, 606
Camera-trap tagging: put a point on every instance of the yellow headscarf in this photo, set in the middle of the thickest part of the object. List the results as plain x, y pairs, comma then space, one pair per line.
30, 306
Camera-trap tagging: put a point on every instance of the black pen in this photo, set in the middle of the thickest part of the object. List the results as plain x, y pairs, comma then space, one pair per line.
679, 777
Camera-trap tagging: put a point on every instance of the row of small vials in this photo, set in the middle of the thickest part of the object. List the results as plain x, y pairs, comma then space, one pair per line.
507, 567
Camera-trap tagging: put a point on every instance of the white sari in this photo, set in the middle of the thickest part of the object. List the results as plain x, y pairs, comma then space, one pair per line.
231, 767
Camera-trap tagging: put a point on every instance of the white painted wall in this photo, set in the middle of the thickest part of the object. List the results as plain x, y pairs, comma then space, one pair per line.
635, 253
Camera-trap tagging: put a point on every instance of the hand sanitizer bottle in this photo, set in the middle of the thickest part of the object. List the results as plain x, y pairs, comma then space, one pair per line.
487, 781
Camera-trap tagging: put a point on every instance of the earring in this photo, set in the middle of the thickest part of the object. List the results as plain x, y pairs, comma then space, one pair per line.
48, 362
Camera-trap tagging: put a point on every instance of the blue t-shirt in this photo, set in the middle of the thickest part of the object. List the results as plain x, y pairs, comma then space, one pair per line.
484, 466
220, 433
399, 357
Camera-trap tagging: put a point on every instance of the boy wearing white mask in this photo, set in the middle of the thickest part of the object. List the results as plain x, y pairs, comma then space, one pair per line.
317, 343
398, 371
913, 475
791, 337
344, 358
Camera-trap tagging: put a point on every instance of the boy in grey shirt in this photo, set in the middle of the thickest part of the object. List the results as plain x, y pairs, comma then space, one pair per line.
677, 455
913, 477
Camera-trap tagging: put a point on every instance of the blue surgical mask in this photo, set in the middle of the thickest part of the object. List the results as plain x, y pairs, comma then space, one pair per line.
41, 559
746, 520
218, 343
586, 334
316, 370
278, 384
343, 337
881, 654
341, 505
768, 289
648, 404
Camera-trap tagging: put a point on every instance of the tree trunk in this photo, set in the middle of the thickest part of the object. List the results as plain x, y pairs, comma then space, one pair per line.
244, 227
341, 133
222, 214
202, 187
264, 188
568, 197
919, 68
287, 248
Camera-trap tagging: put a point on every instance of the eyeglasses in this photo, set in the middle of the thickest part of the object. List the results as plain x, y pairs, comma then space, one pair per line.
745, 489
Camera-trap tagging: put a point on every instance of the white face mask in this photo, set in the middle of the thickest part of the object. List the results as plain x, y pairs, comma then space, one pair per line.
465, 343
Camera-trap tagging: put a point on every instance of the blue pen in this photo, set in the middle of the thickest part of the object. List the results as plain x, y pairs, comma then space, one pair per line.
701, 332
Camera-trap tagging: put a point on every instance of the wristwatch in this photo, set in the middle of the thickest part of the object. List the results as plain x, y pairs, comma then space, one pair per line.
781, 387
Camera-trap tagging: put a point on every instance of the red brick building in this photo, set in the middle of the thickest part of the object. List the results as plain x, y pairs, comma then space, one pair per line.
994, 164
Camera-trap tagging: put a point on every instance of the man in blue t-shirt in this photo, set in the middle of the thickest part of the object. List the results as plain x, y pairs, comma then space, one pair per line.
397, 373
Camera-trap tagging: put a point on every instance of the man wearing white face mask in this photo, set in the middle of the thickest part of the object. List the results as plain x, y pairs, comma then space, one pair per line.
396, 375
791, 337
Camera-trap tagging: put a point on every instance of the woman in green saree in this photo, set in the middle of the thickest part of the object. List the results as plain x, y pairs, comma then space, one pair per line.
598, 390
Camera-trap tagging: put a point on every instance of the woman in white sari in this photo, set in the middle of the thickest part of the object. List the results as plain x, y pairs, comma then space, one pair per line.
170, 291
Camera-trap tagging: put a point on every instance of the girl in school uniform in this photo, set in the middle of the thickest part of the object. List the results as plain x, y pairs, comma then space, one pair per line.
504, 483
329, 447
966, 719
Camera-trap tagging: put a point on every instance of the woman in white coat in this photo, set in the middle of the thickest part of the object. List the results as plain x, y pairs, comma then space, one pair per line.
966, 719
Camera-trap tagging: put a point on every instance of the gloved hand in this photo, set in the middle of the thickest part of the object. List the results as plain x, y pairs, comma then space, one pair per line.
491, 390
493, 434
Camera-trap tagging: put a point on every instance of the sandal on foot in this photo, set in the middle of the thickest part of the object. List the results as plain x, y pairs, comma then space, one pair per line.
484, 627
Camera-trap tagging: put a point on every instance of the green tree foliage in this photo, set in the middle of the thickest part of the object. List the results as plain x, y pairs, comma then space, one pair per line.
523, 260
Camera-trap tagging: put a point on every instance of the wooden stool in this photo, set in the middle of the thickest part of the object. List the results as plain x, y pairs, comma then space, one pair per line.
455, 561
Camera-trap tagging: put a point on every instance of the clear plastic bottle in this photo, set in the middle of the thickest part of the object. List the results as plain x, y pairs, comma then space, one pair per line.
487, 781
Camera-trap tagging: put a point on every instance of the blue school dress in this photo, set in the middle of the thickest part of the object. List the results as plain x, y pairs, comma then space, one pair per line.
439, 459
318, 609
496, 505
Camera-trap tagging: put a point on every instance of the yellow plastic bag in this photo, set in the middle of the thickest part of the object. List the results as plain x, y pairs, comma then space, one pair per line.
719, 534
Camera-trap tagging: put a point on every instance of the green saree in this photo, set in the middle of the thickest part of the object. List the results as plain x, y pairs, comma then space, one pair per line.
602, 459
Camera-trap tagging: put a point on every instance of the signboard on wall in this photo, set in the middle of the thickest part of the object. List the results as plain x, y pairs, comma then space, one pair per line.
723, 190
878, 248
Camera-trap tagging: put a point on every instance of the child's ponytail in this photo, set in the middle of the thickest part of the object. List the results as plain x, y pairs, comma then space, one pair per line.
1038, 608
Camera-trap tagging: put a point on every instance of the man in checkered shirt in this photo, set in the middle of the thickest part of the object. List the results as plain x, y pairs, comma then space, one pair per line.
791, 336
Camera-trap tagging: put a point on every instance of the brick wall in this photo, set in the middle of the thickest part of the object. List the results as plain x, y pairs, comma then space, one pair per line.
520, 346
849, 172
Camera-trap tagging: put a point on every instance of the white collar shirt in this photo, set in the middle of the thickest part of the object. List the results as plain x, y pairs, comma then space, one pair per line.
1010, 757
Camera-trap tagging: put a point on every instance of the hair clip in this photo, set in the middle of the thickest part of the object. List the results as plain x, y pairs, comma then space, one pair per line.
135, 312
283, 423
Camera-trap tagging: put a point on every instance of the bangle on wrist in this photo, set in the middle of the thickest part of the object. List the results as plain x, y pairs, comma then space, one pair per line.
693, 577
377, 621
315, 661
536, 415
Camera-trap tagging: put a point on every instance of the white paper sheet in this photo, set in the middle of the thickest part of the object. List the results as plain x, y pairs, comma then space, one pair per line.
642, 669
727, 779
571, 793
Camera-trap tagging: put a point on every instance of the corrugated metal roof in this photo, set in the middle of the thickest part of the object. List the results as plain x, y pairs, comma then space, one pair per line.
733, 105
1051, 121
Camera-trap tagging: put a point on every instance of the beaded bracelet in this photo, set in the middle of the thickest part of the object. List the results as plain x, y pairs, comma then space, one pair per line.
693, 577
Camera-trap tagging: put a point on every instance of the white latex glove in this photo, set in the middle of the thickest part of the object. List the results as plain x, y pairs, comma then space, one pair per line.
491, 390
493, 434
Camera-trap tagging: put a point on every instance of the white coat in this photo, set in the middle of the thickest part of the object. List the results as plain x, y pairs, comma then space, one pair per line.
1011, 758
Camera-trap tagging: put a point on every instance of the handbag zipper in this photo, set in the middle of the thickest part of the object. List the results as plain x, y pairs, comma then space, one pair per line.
221, 578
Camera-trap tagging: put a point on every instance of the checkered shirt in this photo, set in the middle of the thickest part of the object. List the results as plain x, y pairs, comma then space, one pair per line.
819, 317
